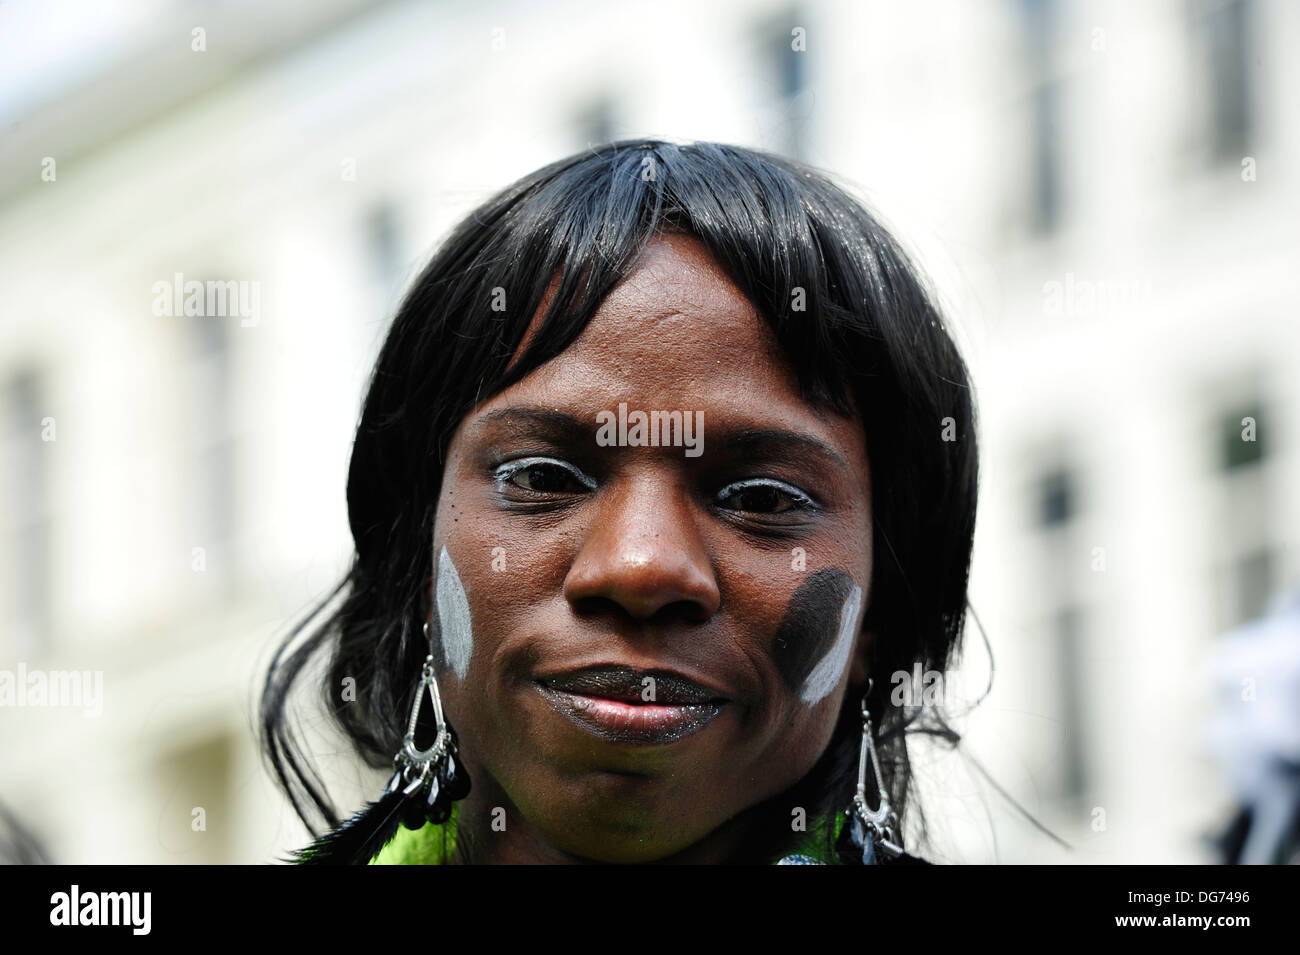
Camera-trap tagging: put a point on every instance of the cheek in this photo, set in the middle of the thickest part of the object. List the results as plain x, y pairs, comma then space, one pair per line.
816, 635
453, 642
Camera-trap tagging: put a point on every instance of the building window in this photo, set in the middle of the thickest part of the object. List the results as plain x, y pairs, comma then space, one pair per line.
1243, 436
783, 44
596, 122
212, 429
1045, 213
384, 245
1057, 497
1253, 584
1074, 776
1247, 570
1038, 20
1222, 47
26, 443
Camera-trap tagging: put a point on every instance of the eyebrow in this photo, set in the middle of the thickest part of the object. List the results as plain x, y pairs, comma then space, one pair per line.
748, 442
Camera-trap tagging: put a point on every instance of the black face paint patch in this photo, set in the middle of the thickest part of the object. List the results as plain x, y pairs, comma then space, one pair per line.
810, 625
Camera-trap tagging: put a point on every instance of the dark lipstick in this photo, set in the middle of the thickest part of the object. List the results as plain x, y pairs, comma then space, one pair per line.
624, 705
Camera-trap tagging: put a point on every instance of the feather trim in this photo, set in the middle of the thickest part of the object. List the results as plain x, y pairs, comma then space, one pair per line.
358, 840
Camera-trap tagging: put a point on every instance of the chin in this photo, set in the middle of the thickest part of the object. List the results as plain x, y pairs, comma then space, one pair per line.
621, 818
653, 841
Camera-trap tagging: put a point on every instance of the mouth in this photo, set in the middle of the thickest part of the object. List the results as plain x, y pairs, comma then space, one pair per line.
623, 705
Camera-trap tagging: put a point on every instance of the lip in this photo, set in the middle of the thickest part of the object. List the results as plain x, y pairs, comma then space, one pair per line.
609, 702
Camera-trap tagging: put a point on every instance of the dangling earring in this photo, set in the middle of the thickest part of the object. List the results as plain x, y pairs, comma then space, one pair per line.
423, 786
874, 831
430, 779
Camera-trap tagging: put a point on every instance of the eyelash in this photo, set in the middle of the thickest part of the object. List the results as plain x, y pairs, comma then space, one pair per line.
799, 500
503, 473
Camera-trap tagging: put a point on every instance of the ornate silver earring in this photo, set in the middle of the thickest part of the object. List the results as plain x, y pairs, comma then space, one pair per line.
424, 784
432, 773
874, 831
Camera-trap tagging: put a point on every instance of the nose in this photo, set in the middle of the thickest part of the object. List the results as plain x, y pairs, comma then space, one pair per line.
644, 553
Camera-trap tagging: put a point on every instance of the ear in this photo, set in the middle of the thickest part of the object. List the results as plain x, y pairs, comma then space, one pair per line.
859, 670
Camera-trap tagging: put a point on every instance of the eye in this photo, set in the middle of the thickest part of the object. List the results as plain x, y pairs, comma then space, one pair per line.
542, 476
764, 496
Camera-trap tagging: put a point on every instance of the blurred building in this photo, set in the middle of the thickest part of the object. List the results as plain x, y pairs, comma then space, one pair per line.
1105, 195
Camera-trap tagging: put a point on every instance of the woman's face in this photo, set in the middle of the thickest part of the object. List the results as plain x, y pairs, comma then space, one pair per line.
641, 640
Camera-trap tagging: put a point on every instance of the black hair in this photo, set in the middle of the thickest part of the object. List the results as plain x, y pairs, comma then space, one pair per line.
869, 338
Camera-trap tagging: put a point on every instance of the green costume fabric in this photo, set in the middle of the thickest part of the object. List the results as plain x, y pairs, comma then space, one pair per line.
426, 846
420, 847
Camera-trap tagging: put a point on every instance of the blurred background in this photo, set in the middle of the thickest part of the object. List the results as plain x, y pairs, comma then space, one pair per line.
1106, 196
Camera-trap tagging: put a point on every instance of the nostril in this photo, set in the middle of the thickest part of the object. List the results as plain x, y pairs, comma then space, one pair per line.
688, 610
596, 606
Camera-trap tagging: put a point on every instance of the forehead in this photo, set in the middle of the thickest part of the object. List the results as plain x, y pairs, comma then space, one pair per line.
677, 333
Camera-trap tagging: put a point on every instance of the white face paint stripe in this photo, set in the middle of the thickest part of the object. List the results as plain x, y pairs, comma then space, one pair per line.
453, 617
825, 676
